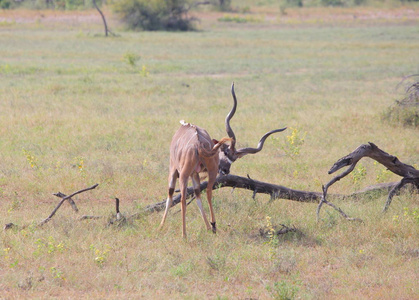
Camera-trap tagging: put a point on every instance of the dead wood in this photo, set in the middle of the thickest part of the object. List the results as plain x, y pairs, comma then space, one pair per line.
340, 211
85, 217
409, 173
72, 203
277, 230
9, 226
275, 191
62, 201
234, 181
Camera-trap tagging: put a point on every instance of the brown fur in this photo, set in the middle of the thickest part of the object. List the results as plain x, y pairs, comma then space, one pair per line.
192, 151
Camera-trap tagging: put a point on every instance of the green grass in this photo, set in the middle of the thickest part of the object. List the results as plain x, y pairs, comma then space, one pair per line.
74, 112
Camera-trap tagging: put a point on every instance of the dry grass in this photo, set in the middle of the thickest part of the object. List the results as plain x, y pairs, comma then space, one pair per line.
73, 113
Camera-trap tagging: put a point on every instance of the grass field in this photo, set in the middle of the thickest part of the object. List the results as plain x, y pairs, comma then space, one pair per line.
77, 108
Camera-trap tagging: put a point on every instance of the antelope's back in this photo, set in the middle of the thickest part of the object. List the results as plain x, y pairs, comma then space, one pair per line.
187, 141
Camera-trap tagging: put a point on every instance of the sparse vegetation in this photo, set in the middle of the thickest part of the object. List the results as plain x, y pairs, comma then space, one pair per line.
406, 111
238, 19
74, 113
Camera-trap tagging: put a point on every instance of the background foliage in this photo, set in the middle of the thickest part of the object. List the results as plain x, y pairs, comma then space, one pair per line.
154, 15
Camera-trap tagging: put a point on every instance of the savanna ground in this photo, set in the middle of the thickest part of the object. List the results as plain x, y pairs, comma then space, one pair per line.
77, 108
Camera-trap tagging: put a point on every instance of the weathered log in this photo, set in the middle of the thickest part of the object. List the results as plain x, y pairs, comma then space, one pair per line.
275, 191
234, 181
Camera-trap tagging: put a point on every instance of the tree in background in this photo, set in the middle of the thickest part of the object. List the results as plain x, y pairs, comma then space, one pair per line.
155, 14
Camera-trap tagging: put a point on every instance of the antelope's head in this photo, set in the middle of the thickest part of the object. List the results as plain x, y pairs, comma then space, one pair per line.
229, 153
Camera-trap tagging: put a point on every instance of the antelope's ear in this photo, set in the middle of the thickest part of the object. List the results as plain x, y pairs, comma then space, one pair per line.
215, 141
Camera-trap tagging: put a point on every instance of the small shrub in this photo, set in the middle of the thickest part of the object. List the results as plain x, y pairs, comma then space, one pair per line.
283, 291
358, 174
131, 58
273, 240
100, 256
5, 4
223, 5
237, 19
405, 111
144, 71
294, 142
402, 115
30, 158
346, 3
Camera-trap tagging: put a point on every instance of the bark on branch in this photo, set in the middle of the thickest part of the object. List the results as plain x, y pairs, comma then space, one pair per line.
275, 191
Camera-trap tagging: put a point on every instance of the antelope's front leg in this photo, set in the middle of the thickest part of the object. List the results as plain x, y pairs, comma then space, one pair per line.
169, 202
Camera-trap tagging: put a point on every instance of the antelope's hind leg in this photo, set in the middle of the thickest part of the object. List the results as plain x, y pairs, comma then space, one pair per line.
183, 182
196, 186
169, 202
211, 180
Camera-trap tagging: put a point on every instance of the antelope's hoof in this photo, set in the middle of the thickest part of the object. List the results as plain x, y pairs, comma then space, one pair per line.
214, 228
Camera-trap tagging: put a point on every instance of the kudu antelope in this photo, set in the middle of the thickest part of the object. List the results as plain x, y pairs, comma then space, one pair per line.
192, 151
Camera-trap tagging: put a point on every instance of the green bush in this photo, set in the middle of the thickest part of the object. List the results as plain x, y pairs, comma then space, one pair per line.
347, 3
5, 4
74, 4
406, 116
406, 111
154, 14
223, 5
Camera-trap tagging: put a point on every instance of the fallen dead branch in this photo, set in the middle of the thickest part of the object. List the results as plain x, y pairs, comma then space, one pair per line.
86, 217
409, 173
277, 230
275, 191
63, 199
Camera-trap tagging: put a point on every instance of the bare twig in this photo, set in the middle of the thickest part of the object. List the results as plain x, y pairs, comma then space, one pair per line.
62, 201
397, 188
341, 212
72, 203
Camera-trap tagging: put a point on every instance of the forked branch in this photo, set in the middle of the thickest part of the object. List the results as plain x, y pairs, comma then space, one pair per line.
392, 163
72, 203
62, 201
